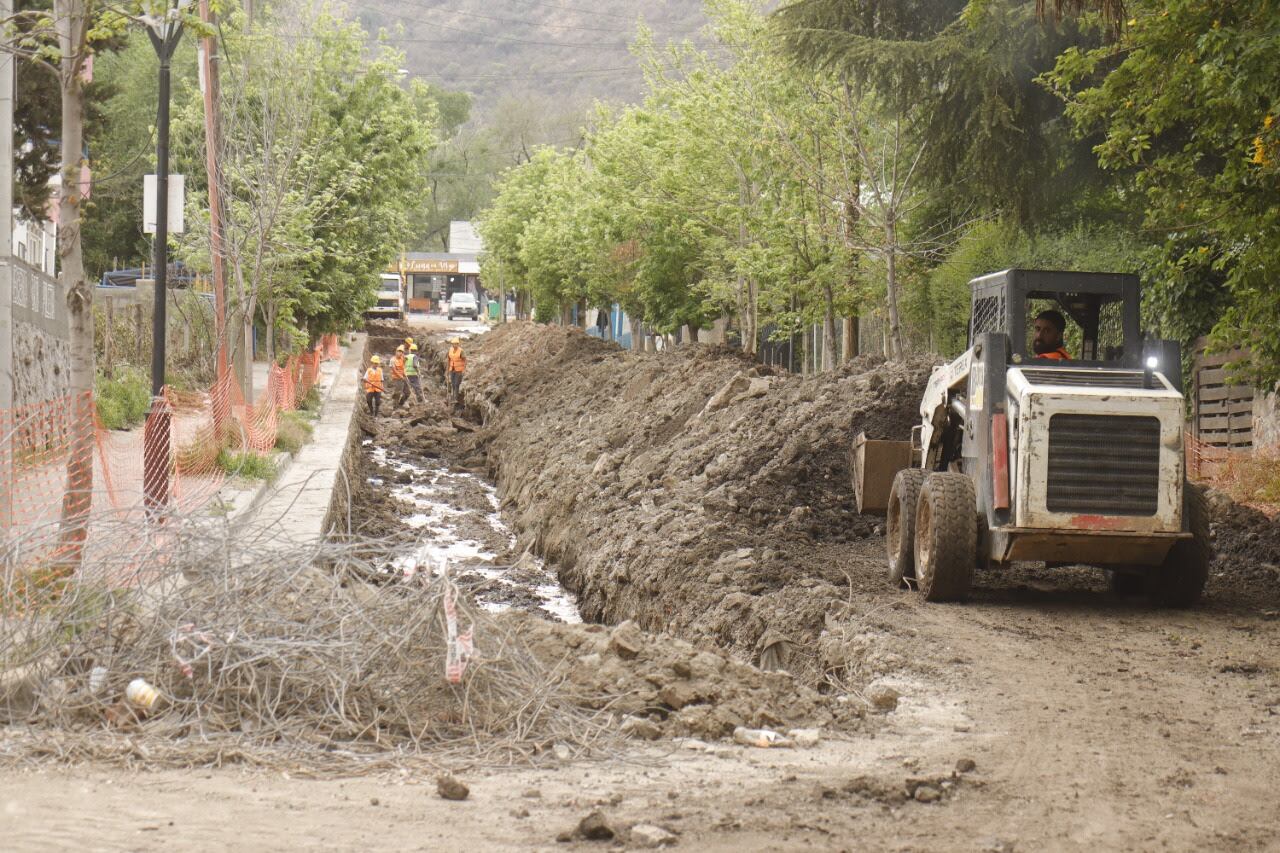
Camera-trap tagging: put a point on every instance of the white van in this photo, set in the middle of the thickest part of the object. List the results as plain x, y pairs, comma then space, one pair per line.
463, 305
390, 298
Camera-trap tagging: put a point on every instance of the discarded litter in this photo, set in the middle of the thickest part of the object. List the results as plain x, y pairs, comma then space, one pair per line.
763, 738
142, 694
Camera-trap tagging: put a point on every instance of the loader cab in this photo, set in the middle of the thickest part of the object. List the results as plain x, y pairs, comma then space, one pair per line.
1101, 311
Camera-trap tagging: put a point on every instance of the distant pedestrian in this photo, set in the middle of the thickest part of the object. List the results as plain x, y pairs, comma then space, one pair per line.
411, 372
373, 385
399, 382
602, 323
455, 366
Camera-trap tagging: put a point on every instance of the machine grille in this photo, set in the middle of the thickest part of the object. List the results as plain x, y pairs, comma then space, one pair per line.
1104, 464
1083, 378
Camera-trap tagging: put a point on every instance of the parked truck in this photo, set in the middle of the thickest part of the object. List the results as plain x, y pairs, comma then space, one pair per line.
1065, 460
391, 298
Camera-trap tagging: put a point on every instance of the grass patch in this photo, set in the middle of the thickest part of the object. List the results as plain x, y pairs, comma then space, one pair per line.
312, 402
246, 464
293, 431
122, 402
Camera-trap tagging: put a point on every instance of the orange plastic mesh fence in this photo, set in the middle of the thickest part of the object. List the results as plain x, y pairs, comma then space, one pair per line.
1248, 476
40, 444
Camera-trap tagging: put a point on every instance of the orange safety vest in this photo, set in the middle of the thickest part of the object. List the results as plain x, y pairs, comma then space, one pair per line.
1060, 354
373, 380
397, 367
457, 362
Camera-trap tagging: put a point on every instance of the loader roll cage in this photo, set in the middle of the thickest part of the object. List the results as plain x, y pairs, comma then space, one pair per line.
1102, 310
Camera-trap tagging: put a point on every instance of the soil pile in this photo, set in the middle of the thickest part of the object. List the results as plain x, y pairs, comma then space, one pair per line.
1246, 552
692, 490
664, 686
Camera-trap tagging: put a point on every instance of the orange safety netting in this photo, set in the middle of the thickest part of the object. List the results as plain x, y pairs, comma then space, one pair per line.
1248, 475
177, 451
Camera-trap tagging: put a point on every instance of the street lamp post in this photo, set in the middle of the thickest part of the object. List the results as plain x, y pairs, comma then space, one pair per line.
165, 34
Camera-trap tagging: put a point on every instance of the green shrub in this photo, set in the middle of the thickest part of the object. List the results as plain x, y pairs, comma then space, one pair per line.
124, 400
311, 403
293, 431
247, 464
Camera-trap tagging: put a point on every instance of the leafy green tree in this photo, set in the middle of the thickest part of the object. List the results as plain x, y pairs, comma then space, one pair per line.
1186, 102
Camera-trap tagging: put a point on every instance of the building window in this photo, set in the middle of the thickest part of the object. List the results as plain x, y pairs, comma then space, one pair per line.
37, 247
22, 251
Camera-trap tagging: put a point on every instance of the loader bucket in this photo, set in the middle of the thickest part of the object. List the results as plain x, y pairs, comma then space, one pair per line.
874, 464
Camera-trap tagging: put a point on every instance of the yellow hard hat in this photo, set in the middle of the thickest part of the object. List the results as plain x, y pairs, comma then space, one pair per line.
455, 340
408, 340
375, 360
413, 347
400, 348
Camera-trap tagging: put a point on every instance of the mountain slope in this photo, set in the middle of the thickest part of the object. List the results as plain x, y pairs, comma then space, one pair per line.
567, 51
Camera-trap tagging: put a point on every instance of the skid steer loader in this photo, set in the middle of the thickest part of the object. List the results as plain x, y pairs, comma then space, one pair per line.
1021, 458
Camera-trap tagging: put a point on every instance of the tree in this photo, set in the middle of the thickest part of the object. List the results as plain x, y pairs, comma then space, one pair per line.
1186, 102
323, 157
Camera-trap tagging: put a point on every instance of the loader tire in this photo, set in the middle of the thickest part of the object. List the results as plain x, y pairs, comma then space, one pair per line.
946, 545
1179, 581
900, 524
1127, 584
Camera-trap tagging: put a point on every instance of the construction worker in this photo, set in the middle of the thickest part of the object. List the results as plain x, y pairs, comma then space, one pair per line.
411, 372
373, 385
1050, 326
455, 366
399, 383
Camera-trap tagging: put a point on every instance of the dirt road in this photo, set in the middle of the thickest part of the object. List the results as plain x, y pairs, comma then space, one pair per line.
1091, 722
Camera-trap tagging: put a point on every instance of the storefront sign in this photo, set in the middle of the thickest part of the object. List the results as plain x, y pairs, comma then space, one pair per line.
410, 265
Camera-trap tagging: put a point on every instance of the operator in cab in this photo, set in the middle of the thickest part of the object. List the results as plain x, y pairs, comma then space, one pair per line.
1050, 326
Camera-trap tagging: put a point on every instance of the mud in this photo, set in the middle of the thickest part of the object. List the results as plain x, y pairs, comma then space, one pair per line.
1246, 567
691, 491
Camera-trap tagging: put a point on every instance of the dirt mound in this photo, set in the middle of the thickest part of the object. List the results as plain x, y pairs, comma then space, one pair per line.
1247, 551
667, 687
692, 490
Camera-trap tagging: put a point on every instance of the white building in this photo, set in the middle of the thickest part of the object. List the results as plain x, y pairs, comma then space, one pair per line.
35, 243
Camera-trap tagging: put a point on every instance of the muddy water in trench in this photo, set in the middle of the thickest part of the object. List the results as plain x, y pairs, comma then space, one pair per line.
455, 519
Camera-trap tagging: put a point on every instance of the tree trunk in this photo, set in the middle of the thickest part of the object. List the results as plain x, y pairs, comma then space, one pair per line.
891, 288
850, 341
108, 367
829, 330
71, 18
271, 332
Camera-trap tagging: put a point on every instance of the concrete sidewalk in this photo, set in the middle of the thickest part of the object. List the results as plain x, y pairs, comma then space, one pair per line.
294, 506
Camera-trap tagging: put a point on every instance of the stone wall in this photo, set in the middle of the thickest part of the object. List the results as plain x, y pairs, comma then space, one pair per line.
37, 351
1266, 419
40, 365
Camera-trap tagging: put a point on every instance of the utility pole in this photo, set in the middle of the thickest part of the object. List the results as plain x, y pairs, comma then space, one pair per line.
7, 87
212, 145
156, 450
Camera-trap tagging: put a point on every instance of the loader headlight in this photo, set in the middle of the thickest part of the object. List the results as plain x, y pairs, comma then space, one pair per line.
1152, 362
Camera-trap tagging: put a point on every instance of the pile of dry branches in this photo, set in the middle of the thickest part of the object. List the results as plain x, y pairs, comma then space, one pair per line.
266, 652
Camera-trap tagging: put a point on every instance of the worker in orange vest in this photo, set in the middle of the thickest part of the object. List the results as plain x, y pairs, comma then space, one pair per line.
399, 383
373, 385
455, 366
1050, 326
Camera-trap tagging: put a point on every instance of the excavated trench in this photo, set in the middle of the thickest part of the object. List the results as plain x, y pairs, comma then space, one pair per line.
437, 511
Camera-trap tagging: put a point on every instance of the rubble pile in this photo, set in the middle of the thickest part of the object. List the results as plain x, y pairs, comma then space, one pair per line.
662, 686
